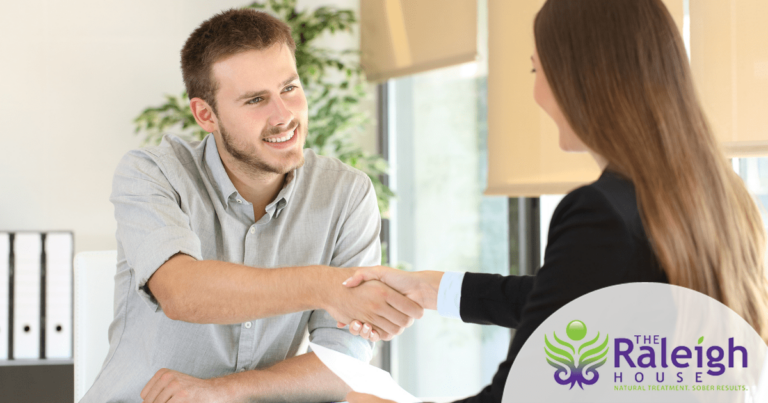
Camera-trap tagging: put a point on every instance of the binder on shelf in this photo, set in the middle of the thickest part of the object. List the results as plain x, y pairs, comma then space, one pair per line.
58, 295
5, 302
27, 251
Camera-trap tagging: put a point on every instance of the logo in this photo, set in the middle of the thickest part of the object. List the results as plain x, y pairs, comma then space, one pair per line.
666, 343
576, 365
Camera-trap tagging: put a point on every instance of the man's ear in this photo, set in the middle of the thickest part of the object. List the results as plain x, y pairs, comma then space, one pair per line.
203, 114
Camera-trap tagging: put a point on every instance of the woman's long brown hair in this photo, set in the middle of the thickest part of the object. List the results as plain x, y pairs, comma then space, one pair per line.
619, 72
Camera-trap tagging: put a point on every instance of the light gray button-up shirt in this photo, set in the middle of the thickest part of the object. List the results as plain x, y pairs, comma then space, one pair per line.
177, 197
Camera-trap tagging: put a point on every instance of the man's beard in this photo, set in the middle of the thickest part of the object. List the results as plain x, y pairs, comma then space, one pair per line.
246, 153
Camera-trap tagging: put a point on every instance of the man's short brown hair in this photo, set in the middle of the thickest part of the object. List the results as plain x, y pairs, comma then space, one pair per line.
225, 34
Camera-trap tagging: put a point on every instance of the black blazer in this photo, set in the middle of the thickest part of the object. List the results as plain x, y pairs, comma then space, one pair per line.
596, 239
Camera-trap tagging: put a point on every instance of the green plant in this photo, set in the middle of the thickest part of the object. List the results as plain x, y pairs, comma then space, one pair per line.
333, 82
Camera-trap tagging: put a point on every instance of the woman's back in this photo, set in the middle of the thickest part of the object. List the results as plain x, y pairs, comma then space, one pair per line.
596, 240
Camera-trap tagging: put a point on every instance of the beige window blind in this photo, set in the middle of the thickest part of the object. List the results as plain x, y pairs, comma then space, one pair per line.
402, 37
729, 58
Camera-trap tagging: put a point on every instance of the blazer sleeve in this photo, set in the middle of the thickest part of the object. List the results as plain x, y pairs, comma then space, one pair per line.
589, 247
492, 299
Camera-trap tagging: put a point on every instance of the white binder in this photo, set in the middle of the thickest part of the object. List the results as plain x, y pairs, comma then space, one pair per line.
5, 251
27, 249
58, 295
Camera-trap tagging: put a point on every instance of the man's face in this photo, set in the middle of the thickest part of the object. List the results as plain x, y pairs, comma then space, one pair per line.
261, 110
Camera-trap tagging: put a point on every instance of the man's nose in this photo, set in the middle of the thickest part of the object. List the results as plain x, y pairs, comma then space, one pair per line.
281, 115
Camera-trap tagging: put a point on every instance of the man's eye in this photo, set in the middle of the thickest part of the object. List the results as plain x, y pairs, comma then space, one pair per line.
254, 101
289, 88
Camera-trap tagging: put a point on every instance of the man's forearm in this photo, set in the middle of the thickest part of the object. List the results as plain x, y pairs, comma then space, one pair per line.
299, 379
225, 293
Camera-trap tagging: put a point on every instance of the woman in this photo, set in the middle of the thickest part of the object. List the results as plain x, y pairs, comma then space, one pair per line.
615, 78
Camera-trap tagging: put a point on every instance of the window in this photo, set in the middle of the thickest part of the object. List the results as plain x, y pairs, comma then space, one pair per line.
754, 172
441, 221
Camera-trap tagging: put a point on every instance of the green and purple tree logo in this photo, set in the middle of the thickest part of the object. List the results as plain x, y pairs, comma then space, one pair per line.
576, 365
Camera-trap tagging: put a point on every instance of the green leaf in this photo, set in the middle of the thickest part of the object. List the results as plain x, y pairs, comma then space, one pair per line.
701, 339
556, 353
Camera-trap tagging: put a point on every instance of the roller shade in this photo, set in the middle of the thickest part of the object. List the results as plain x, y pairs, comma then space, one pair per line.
402, 37
524, 158
729, 58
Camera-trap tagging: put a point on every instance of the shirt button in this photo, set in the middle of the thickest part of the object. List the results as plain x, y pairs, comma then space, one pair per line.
241, 370
239, 201
253, 230
247, 325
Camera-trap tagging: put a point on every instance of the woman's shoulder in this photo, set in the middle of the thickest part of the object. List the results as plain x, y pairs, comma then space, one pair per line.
602, 221
611, 197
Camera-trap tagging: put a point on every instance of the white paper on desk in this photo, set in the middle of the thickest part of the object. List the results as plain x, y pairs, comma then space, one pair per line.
361, 377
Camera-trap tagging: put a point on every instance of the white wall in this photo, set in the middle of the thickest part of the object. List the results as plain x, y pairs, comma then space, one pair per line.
73, 75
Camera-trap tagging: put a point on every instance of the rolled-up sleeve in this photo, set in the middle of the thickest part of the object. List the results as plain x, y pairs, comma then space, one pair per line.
151, 226
323, 331
357, 245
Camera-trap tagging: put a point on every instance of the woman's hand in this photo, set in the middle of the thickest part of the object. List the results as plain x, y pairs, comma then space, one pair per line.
421, 287
354, 397
373, 302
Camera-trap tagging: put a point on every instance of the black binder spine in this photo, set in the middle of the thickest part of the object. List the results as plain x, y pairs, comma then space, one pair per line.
10, 296
43, 265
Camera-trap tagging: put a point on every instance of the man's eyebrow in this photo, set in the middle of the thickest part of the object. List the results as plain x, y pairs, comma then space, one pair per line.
291, 79
254, 94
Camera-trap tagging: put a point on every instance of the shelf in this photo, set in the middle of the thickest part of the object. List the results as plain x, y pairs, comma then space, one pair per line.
37, 381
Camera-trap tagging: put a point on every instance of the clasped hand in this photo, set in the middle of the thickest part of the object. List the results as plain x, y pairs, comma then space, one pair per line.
419, 287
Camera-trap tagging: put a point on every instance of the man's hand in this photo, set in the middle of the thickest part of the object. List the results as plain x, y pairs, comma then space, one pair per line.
175, 387
386, 311
421, 287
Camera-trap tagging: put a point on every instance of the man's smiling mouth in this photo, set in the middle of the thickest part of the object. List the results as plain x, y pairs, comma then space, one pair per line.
287, 136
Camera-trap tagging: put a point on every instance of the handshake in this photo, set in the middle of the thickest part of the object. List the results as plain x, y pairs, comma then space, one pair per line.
379, 302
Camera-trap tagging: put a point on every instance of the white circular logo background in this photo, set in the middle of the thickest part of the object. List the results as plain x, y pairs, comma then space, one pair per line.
641, 342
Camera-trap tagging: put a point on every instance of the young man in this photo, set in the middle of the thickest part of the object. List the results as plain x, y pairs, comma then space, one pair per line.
229, 248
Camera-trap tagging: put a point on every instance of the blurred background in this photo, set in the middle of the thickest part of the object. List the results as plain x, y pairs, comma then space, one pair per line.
433, 101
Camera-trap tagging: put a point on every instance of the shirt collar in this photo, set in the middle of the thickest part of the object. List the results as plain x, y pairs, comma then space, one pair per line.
289, 186
216, 172
226, 191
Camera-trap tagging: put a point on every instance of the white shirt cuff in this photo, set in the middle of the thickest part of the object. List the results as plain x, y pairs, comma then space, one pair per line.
449, 295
